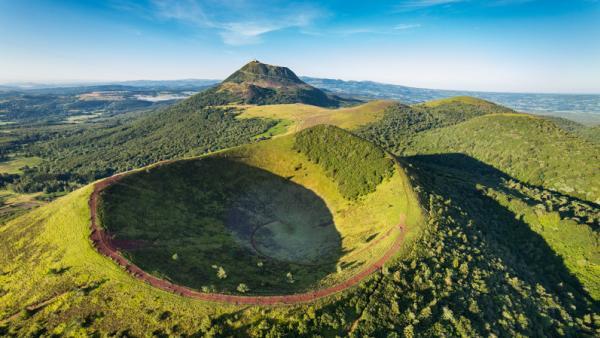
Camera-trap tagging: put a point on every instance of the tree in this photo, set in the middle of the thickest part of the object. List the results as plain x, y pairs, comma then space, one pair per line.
243, 288
221, 273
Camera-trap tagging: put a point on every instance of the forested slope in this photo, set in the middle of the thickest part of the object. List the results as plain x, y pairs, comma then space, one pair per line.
400, 122
531, 149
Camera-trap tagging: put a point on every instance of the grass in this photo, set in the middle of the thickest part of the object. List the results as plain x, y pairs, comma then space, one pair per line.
47, 255
304, 116
463, 102
14, 165
495, 257
278, 129
14, 204
559, 221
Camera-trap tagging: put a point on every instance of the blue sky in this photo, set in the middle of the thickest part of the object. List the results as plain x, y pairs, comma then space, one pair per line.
497, 45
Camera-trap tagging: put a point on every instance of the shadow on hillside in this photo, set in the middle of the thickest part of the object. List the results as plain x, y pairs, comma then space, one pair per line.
455, 177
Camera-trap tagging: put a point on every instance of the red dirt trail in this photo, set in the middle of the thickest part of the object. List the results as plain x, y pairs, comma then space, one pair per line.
103, 243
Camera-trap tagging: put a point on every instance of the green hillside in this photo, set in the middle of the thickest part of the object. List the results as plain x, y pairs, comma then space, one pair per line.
186, 128
259, 212
74, 290
528, 148
466, 105
400, 122
356, 165
589, 133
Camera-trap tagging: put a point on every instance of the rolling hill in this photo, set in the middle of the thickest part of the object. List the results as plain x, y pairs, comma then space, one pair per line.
529, 148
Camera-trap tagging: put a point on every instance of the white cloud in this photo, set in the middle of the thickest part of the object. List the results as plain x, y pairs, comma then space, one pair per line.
404, 26
417, 4
238, 22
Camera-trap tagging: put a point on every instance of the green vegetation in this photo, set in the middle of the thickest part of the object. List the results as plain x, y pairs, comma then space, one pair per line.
15, 165
207, 223
509, 246
203, 123
400, 123
305, 116
589, 133
219, 212
187, 128
280, 128
356, 165
460, 106
528, 148
569, 226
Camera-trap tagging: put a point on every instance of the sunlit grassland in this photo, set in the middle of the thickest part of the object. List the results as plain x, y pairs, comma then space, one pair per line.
366, 226
304, 116
13, 204
13, 165
457, 101
47, 256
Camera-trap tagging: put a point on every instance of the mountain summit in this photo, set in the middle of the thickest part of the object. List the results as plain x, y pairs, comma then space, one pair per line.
260, 83
264, 75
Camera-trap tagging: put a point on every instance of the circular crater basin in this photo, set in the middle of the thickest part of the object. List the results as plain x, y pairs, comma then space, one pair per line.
215, 223
260, 223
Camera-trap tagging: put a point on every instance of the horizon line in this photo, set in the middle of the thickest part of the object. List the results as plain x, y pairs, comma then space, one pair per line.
85, 83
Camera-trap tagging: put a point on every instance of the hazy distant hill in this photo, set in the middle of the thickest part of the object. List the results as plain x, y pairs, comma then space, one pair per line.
583, 108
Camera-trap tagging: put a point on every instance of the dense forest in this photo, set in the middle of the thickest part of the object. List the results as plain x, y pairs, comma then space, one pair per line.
356, 165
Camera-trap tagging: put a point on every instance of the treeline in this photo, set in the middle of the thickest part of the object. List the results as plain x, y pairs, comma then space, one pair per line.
357, 166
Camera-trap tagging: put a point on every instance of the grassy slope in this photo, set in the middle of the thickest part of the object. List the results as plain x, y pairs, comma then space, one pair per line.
47, 256
399, 123
529, 148
568, 226
304, 116
357, 221
457, 101
14, 165
590, 133
469, 274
